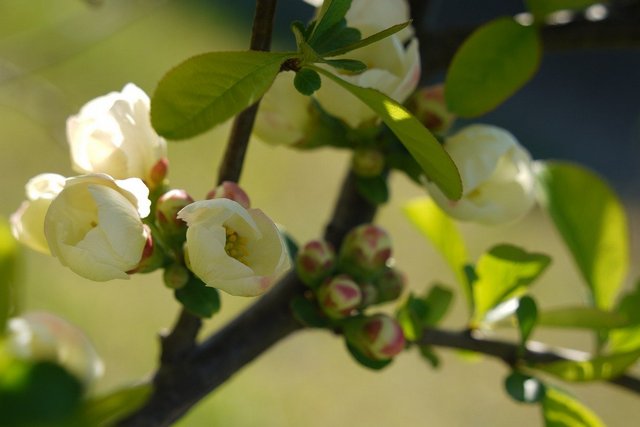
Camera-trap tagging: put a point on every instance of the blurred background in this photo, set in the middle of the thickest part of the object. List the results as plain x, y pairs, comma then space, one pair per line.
57, 55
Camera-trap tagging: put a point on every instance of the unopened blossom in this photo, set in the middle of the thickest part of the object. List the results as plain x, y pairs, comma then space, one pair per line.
230, 190
112, 134
429, 106
339, 296
379, 337
315, 261
365, 251
27, 223
497, 178
94, 226
46, 337
237, 250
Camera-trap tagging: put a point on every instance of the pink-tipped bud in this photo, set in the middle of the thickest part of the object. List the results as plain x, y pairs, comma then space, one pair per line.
230, 190
167, 208
152, 256
176, 276
367, 162
339, 296
315, 262
158, 172
378, 337
365, 251
390, 285
429, 106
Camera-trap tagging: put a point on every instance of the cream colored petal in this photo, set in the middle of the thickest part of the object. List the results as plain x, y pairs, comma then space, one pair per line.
85, 264
27, 225
267, 255
44, 186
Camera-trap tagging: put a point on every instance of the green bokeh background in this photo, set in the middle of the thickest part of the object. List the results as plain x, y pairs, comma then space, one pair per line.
57, 55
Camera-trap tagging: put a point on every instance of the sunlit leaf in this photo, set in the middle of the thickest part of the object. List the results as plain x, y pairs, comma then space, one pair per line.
443, 233
106, 410
592, 223
8, 259
411, 317
582, 318
504, 272
560, 409
527, 315
208, 89
542, 8
198, 298
598, 368
490, 66
524, 388
628, 338
422, 145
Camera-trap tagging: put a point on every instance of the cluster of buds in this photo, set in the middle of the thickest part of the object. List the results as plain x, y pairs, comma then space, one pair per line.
347, 283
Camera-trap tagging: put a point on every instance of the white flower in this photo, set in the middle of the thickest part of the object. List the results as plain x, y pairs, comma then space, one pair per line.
237, 250
44, 336
497, 177
112, 134
27, 223
94, 225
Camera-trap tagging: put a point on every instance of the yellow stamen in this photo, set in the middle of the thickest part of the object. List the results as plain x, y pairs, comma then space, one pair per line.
236, 246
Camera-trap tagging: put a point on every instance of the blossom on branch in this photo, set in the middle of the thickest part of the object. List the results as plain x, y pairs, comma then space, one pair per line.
112, 134
94, 226
237, 250
497, 177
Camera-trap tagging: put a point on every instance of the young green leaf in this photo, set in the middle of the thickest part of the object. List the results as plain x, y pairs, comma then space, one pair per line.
598, 368
504, 272
411, 316
443, 233
524, 388
208, 89
198, 298
329, 15
375, 189
560, 409
307, 81
351, 65
369, 40
106, 410
628, 338
339, 36
8, 259
490, 66
592, 224
429, 355
541, 8
527, 315
583, 318
438, 301
422, 145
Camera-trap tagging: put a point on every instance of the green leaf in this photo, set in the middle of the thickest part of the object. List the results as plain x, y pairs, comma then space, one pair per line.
331, 13
308, 313
375, 189
339, 36
628, 338
490, 66
351, 65
429, 355
307, 81
598, 368
583, 318
443, 233
411, 316
365, 361
198, 298
422, 145
524, 388
527, 315
542, 8
560, 409
106, 410
592, 223
438, 301
8, 260
208, 89
504, 272
369, 40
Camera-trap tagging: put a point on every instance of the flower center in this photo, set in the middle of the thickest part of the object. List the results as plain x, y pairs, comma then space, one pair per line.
236, 246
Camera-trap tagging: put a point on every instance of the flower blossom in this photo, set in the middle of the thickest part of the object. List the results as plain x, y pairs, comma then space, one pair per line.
237, 250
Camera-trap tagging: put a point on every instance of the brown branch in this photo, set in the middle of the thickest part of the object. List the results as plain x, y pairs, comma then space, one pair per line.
535, 352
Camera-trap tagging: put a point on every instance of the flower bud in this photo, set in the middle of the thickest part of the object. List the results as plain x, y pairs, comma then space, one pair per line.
159, 172
232, 191
315, 262
153, 256
365, 251
390, 285
167, 208
339, 296
176, 276
378, 337
367, 162
429, 106
369, 294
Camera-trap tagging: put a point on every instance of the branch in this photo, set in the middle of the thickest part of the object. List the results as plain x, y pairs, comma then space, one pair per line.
509, 353
620, 30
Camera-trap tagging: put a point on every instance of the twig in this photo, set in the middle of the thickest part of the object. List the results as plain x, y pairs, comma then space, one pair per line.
535, 352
